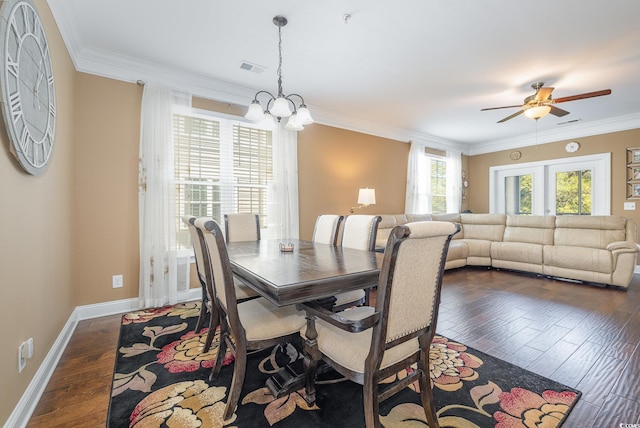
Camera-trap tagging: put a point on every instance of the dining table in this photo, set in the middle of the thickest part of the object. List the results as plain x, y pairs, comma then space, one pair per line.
297, 271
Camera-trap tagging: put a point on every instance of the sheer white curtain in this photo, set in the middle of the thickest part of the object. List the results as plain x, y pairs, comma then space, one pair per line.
162, 271
417, 197
454, 181
282, 209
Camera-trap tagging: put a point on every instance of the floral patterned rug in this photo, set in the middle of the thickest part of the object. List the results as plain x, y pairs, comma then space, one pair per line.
161, 380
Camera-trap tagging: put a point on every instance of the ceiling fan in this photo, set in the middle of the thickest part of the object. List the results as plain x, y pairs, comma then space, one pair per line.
540, 104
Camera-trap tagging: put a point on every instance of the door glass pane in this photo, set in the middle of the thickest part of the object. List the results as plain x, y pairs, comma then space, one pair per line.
573, 193
518, 192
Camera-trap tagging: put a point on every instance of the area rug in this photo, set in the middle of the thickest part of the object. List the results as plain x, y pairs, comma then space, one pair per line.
161, 380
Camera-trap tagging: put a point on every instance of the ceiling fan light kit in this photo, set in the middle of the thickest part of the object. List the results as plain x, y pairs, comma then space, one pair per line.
541, 103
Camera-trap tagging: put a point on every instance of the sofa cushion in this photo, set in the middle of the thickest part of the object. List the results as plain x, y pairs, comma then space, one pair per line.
589, 231
530, 229
516, 252
577, 259
488, 227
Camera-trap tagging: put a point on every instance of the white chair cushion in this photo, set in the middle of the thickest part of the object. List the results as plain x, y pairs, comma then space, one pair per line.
349, 297
263, 320
243, 291
350, 350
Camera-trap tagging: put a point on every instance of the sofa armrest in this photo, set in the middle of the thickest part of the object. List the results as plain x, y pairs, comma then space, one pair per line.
623, 247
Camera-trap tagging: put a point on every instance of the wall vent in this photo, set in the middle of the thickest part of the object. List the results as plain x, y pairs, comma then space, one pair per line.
569, 121
254, 68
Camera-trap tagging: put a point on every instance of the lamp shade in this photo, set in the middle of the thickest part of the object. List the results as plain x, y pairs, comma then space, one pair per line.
304, 116
367, 196
255, 113
293, 124
537, 112
268, 121
281, 107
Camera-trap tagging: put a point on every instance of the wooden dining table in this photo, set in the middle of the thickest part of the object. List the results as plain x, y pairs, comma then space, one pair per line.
311, 271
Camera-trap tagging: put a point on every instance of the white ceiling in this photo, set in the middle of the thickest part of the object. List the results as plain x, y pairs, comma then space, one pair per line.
408, 70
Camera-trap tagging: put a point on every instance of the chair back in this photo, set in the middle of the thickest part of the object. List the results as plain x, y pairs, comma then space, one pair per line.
241, 227
189, 220
359, 232
218, 269
410, 282
326, 229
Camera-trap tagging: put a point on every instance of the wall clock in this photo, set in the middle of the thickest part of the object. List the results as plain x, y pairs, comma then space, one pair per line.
26, 81
572, 147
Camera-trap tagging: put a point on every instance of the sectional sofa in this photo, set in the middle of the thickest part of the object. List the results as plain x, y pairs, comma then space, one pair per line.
598, 249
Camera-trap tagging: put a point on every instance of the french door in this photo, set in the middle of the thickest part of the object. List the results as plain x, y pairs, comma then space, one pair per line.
575, 186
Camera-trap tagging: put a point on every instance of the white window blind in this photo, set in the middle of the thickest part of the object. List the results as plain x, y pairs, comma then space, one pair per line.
221, 166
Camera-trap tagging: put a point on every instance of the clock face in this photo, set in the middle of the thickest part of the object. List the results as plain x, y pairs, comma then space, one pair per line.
572, 147
28, 94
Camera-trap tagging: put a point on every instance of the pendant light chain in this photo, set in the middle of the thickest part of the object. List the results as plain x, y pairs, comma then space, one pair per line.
280, 94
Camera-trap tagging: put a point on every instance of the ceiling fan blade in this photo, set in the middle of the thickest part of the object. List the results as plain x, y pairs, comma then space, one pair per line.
558, 111
543, 94
583, 96
511, 117
496, 108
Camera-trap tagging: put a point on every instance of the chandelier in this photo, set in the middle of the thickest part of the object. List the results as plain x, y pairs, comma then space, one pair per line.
279, 106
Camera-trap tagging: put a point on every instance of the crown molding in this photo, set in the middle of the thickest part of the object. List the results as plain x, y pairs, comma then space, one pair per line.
567, 132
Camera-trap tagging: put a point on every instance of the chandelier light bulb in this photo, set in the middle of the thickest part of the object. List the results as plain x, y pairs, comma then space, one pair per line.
293, 124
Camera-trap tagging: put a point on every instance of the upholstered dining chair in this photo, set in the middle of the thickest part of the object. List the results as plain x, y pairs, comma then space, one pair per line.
241, 227
368, 345
243, 292
247, 326
326, 232
359, 232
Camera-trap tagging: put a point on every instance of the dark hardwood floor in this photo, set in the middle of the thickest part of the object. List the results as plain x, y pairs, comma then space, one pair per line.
584, 336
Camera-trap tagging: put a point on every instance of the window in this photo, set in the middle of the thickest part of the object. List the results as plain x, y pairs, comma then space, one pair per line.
518, 194
221, 166
438, 184
573, 193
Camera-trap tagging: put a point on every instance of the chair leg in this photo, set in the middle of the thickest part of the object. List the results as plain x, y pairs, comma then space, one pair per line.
222, 350
426, 393
203, 311
371, 405
214, 321
239, 370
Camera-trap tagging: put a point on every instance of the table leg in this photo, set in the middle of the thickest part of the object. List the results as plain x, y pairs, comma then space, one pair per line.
311, 358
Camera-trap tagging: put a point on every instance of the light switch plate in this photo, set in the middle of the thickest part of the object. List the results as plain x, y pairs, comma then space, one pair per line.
629, 206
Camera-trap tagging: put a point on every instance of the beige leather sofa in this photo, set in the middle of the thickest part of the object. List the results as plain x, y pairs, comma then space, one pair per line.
599, 249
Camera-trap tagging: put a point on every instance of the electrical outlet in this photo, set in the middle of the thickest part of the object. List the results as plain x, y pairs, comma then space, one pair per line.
629, 206
117, 281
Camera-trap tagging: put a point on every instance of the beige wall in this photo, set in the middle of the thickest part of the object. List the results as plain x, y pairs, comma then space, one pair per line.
35, 236
615, 143
107, 134
334, 163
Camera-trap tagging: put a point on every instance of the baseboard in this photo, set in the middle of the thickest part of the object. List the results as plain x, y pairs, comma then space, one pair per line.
29, 400
636, 269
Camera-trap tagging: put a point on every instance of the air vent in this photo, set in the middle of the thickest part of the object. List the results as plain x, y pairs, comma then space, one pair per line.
254, 68
569, 121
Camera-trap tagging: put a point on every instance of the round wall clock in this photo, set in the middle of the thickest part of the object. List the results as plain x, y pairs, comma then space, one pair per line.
515, 155
26, 81
572, 147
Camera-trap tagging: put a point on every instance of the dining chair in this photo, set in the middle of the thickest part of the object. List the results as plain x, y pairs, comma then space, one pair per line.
205, 305
326, 232
368, 345
359, 232
251, 325
241, 227
243, 292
